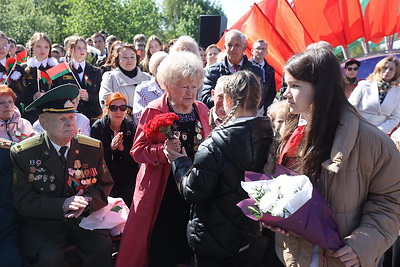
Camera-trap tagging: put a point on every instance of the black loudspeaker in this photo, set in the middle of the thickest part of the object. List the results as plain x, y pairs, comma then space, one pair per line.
212, 27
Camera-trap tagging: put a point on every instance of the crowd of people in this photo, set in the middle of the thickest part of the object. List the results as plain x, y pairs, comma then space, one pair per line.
81, 135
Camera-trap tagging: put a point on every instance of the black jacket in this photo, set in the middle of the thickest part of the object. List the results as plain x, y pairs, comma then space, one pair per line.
120, 163
91, 82
217, 227
269, 85
220, 69
32, 86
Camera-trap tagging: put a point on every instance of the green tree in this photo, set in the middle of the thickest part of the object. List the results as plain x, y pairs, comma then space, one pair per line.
24, 17
143, 16
123, 18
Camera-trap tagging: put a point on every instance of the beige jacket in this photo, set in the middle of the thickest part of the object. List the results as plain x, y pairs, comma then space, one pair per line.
361, 183
116, 81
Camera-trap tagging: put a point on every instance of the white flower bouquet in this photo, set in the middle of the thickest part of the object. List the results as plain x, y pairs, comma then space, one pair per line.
279, 197
290, 202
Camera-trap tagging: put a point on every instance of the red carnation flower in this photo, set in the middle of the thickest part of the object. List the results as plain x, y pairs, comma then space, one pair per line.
161, 123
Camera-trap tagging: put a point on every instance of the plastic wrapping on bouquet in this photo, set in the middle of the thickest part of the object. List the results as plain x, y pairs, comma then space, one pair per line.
314, 221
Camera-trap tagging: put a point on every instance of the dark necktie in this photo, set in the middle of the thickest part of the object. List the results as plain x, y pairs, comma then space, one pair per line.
42, 68
2, 68
62, 155
79, 69
236, 67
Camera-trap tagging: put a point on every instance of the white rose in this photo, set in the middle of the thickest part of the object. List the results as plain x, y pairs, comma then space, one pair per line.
268, 201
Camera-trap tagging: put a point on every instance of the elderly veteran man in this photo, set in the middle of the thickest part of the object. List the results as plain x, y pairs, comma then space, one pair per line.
59, 177
235, 60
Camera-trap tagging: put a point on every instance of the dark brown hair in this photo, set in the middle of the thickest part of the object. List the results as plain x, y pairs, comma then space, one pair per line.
36, 37
243, 89
321, 68
115, 59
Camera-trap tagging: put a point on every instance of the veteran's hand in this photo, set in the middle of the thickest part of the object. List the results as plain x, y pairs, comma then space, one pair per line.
347, 255
172, 149
75, 205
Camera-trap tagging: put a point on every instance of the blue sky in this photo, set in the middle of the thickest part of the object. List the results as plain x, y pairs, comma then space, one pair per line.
234, 9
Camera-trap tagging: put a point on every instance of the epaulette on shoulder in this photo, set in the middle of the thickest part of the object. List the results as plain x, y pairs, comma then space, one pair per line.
5, 144
89, 141
28, 143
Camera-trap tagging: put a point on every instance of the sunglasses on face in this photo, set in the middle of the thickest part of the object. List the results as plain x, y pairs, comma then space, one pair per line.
114, 108
350, 69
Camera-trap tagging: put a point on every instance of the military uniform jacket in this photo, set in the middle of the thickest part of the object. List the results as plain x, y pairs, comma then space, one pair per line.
91, 83
40, 185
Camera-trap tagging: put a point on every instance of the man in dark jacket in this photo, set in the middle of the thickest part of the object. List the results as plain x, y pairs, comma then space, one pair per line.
259, 52
235, 60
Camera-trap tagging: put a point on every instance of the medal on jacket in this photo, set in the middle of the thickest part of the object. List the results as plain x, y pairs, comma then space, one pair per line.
81, 176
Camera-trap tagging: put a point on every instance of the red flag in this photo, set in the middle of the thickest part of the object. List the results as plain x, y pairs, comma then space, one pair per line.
380, 19
41, 75
10, 63
58, 70
345, 18
278, 49
21, 57
285, 21
311, 15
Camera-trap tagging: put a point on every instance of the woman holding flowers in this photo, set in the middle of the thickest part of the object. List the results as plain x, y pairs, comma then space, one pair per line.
218, 232
352, 164
155, 233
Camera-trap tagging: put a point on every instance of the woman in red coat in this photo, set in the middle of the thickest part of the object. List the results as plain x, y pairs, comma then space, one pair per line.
155, 233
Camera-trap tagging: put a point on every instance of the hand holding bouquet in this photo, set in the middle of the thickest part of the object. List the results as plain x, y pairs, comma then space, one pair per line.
161, 123
291, 203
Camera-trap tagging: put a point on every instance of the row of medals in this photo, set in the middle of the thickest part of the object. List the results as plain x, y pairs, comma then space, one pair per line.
33, 164
86, 176
198, 136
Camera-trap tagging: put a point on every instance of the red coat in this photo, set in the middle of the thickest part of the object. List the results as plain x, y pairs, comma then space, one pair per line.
150, 185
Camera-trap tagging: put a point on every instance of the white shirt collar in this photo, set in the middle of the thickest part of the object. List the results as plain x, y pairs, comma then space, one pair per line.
231, 65
38, 63
57, 147
302, 120
231, 68
82, 64
34, 63
3, 62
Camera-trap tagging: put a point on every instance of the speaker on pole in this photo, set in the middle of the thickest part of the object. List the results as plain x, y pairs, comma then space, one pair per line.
212, 27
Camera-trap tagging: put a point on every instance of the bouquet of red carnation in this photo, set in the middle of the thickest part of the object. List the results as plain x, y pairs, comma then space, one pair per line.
161, 123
